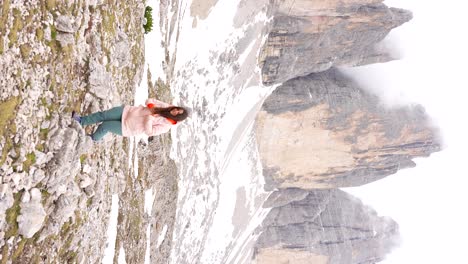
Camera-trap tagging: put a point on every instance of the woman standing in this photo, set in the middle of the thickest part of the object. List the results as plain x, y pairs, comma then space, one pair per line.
153, 119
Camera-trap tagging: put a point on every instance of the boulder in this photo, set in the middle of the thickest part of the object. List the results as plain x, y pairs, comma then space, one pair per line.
32, 214
100, 80
64, 24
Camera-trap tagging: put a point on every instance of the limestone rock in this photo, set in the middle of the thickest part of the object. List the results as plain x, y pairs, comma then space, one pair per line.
312, 36
323, 131
41, 158
99, 80
64, 24
38, 176
32, 214
95, 2
327, 227
64, 209
122, 50
65, 39
86, 181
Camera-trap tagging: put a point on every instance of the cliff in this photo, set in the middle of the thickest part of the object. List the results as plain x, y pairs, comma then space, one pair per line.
327, 226
319, 131
313, 36
324, 131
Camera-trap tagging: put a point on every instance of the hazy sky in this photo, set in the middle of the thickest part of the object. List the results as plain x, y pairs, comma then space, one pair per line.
430, 201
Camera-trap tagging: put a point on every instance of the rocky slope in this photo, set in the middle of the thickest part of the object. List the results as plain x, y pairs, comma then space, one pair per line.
325, 226
55, 184
324, 131
312, 36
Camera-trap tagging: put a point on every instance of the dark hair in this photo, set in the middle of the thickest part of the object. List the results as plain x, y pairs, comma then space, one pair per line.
166, 112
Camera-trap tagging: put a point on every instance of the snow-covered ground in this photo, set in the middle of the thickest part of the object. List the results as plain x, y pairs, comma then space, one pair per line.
220, 188
111, 231
216, 76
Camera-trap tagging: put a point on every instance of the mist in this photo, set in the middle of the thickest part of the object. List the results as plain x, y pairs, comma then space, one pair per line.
427, 201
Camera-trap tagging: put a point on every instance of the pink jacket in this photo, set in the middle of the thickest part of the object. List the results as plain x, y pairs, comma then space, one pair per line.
138, 120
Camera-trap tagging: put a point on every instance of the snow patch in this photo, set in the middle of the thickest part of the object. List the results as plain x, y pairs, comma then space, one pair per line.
111, 231
121, 259
162, 236
149, 200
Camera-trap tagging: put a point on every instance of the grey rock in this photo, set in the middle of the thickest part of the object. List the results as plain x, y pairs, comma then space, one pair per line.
89, 190
86, 169
323, 131
64, 209
35, 194
66, 205
26, 197
95, 2
86, 181
65, 39
16, 178
312, 36
327, 227
32, 215
5, 169
83, 202
68, 143
122, 50
64, 24
4, 189
45, 124
41, 158
38, 176
2, 236
99, 80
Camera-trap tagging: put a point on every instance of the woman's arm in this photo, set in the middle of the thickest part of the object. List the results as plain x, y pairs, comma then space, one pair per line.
158, 125
160, 129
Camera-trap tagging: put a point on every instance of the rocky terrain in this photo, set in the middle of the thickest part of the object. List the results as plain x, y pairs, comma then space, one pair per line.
56, 185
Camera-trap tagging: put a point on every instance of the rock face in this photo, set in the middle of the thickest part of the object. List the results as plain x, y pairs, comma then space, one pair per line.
326, 227
312, 36
319, 131
323, 131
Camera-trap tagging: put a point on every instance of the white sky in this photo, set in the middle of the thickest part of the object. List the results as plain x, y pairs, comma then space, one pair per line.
429, 201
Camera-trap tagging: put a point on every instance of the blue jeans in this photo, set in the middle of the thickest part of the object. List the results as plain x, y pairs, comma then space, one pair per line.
111, 122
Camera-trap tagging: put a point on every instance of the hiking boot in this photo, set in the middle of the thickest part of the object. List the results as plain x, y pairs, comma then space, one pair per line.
76, 117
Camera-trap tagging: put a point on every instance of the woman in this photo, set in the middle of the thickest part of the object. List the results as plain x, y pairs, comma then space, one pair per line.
153, 119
